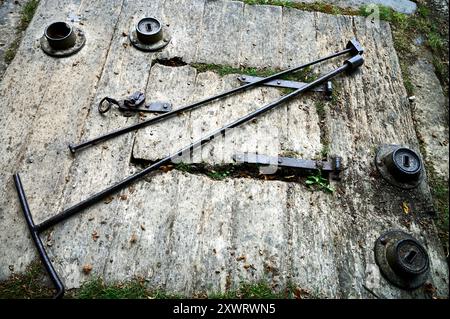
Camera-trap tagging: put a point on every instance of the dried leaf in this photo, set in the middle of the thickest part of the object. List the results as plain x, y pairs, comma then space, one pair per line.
405, 208
95, 236
166, 168
300, 292
241, 258
87, 269
108, 199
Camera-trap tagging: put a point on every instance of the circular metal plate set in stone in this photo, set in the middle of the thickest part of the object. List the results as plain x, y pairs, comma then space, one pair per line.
402, 259
400, 166
149, 35
61, 39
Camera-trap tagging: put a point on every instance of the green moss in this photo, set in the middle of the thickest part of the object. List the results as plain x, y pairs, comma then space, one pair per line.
223, 70
320, 109
407, 78
435, 41
315, 6
184, 167
10, 53
325, 151
336, 93
27, 13
440, 192
219, 174
26, 16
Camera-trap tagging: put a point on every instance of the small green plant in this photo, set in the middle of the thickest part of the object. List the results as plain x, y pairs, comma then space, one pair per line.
319, 182
218, 175
183, 167
320, 109
435, 41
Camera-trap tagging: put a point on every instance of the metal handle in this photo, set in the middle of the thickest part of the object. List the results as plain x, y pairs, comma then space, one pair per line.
37, 240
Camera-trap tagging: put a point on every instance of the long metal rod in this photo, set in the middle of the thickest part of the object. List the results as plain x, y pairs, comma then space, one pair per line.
120, 185
75, 148
37, 240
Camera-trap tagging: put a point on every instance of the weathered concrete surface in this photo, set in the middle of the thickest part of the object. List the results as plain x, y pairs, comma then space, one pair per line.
430, 110
403, 6
187, 233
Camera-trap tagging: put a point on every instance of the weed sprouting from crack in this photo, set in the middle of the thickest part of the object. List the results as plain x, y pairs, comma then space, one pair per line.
319, 182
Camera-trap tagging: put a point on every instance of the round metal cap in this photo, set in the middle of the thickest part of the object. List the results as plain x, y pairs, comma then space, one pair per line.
61, 39
400, 166
149, 35
402, 259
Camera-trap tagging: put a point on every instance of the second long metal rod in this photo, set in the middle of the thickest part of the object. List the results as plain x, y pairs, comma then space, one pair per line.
221, 131
74, 148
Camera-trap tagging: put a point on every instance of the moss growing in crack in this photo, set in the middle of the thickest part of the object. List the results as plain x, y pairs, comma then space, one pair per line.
219, 174
325, 151
304, 75
26, 15
440, 193
10, 53
184, 167
314, 7
409, 87
337, 88
223, 70
320, 109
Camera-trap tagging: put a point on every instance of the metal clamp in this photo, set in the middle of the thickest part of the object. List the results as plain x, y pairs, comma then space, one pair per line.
334, 166
133, 104
327, 87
